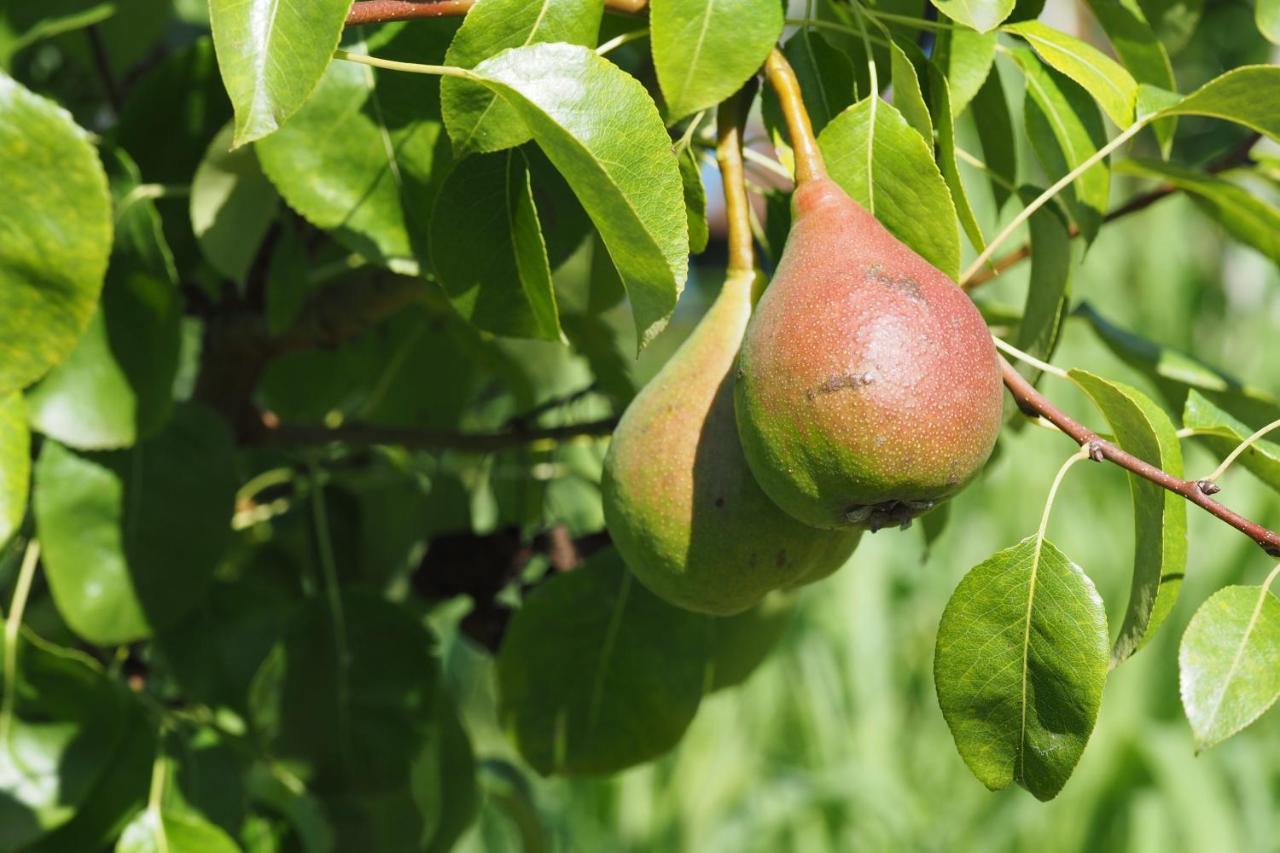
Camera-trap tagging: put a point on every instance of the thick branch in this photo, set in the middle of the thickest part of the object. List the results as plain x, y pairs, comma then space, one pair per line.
428, 439
1032, 402
382, 11
1235, 157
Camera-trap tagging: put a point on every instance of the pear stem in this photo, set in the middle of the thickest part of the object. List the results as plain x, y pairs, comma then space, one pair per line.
809, 164
737, 207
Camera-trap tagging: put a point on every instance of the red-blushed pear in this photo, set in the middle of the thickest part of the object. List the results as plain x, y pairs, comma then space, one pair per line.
868, 387
679, 501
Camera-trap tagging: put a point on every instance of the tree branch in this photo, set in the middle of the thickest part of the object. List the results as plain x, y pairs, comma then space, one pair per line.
273, 433
1032, 402
1235, 157
383, 11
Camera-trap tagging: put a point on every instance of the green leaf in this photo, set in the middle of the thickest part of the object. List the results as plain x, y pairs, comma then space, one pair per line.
130, 537
741, 643
704, 50
487, 249
477, 119
1106, 80
1066, 129
1049, 290
232, 206
981, 15
1249, 96
1267, 15
994, 124
116, 386
1175, 371
1246, 216
67, 721
55, 234
907, 97
1020, 664
940, 92
1223, 433
629, 183
272, 55
25, 24
1141, 52
1227, 662
1159, 516
444, 780
172, 831
596, 673
903, 188
1174, 21
695, 200
15, 464
373, 181
966, 59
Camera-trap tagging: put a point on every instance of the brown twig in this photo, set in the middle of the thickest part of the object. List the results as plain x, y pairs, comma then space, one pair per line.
383, 11
1235, 157
1032, 402
426, 439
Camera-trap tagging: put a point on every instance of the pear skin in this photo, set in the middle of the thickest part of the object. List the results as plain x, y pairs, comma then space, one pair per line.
679, 501
868, 388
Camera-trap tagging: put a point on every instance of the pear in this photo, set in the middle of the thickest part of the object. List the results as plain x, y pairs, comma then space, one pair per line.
679, 501
868, 387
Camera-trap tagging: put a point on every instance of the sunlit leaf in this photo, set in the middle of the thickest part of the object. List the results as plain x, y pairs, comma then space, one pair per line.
981, 15
15, 464
1249, 96
573, 101
168, 831
1141, 52
966, 58
1020, 664
477, 119
1223, 433
1267, 14
55, 234
890, 171
1107, 81
1227, 662
704, 50
907, 96
940, 95
1159, 516
272, 55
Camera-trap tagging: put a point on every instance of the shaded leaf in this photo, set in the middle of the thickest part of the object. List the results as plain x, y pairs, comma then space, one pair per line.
487, 249
1223, 433
629, 183
741, 643
130, 537
366, 155
695, 200
55, 234
232, 206
116, 386
940, 92
994, 124
1174, 21
1246, 216
1020, 664
704, 50
1066, 130
596, 673
15, 464
1049, 288
903, 188
1102, 77
66, 722
981, 15
1159, 516
1227, 662
272, 55
477, 119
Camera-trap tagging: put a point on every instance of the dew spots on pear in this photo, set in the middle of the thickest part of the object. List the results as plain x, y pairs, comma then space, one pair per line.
720, 502
781, 559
